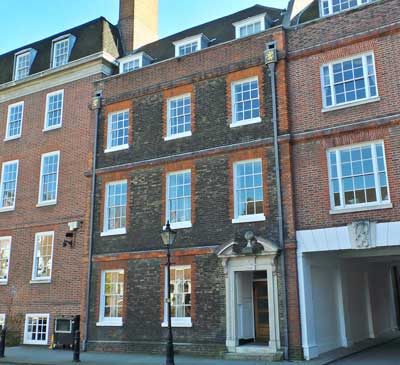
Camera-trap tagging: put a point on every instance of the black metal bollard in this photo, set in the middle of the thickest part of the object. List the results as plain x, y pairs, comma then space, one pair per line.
77, 346
3, 341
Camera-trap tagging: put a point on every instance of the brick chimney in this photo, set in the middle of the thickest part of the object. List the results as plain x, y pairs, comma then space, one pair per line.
138, 23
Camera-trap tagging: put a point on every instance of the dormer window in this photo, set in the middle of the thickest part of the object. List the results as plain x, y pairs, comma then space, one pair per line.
62, 47
23, 63
249, 26
134, 62
329, 7
190, 45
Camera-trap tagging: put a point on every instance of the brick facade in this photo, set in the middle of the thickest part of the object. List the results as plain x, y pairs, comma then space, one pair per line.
209, 153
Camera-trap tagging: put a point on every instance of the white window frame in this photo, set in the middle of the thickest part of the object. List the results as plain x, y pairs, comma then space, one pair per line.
176, 321
8, 137
109, 132
252, 20
235, 123
71, 41
330, 6
42, 279
7, 209
379, 204
7, 239
106, 230
65, 319
177, 225
128, 59
2, 320
31, 53
186, 41
36, 315
54, 201
183, 134
115, 321
251, 217
368, 97
46, 118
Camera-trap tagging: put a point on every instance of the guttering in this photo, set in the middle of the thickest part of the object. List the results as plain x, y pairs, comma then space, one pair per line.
96, 106
271, 66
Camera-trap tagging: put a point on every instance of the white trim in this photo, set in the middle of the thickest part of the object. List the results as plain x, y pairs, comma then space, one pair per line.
71, 42
367, 99
106, 230
113, 232
188, 40
177, 136
8, 137
54, 201
2, 320
343, 208
109, 132
177, 321
330, 7
46, 128
8, 239
133, 57
235, 123
248, 21
117, 148
245, 122
369, 207
115, 321
177, 225
36, 315
249, 217
44, 279
7, 209
170, 136
27, 51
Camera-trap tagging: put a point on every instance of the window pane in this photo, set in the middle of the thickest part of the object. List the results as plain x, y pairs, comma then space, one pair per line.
54, 109
358, 175
180, 281
113, 292
246, 103
14, 123
116, 205
43, 255
49, 178
118, 129
179, 115
60, 52
179, 197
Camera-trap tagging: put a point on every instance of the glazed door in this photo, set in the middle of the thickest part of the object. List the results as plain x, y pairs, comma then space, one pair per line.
261, 312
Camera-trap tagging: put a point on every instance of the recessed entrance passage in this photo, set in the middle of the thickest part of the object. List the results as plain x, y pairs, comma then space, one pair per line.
261, 312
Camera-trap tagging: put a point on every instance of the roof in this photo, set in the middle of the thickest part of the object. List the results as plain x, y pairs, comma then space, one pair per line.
92, 37
218, 31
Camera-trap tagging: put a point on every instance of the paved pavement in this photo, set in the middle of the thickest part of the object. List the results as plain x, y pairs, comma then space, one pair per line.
35, 356
386, 354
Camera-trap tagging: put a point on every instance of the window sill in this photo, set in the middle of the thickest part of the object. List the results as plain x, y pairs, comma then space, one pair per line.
11, 138
3, 282
177, 136
51, 128
7, 209
361, 209
249, 218
348, 105
109, 324
180, 225
118, 148
40, 281
45, 204
114, 232
187, 323
245, 122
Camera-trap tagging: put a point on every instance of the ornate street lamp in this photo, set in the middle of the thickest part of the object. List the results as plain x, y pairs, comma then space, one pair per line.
169, 236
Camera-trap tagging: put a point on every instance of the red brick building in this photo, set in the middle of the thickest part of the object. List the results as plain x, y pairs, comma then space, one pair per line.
46, 134
343, 74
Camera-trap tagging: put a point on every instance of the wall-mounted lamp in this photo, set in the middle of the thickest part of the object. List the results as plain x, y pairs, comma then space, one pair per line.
71, 234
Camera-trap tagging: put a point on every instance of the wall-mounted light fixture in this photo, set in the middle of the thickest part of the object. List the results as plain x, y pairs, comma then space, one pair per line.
70, 236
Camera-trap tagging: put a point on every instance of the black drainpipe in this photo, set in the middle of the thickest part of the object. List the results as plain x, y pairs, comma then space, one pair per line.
96, 106
270, 60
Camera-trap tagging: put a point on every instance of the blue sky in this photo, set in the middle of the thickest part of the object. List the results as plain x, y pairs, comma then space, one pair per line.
26, 21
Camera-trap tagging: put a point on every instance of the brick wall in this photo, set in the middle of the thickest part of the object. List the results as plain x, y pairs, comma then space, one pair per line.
63, 296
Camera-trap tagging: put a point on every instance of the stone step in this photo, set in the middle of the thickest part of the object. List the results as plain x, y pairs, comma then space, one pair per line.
254, 356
